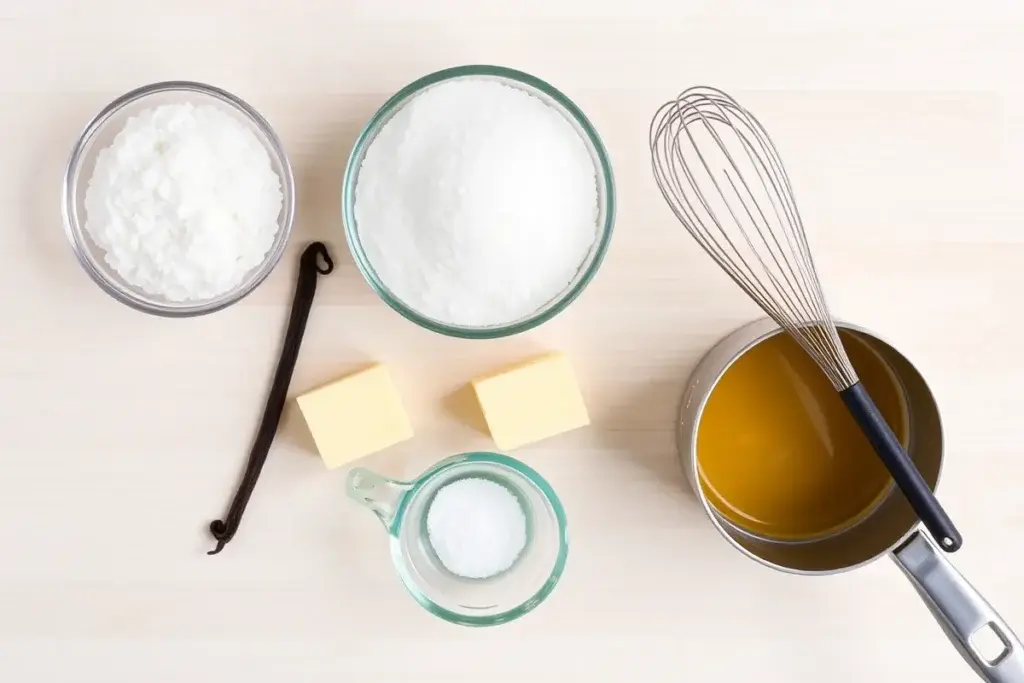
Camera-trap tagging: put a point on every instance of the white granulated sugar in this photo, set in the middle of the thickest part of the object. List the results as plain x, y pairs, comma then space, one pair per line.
476, 527
184, 203
477, 203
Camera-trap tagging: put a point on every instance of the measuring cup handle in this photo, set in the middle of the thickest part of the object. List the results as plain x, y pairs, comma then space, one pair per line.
381, 495
961, 611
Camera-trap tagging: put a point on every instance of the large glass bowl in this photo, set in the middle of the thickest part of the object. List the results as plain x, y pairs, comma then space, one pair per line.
605, 187
100, 132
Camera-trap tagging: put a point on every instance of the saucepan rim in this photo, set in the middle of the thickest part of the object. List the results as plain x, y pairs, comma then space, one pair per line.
686, 435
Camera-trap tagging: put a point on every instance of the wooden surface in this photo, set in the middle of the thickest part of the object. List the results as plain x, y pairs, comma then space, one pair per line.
122, 435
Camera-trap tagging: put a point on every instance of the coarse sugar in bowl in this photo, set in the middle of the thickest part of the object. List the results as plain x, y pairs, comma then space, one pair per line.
178, 199
478, 202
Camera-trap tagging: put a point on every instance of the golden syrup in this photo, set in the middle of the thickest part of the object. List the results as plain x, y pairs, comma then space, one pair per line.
778, 453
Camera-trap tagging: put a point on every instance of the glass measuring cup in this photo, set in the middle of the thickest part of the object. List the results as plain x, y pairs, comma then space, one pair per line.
402, 507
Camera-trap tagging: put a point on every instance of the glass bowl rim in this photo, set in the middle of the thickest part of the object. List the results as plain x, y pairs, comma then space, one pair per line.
603, 168
527, 473
74, 229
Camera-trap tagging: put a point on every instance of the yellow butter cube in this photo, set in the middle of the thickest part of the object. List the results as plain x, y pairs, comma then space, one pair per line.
531, 401
355, 416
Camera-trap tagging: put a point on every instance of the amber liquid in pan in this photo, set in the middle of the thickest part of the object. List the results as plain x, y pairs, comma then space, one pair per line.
778, 453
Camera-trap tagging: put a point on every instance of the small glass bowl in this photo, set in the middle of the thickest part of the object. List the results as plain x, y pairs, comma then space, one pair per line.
402, 507
100, 132
605, 186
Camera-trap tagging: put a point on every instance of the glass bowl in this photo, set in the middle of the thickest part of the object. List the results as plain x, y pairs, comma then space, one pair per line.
605, 186
402, 507
100, 132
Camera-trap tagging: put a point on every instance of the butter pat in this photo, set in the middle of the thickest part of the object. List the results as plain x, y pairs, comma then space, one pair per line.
531, 401
355, 416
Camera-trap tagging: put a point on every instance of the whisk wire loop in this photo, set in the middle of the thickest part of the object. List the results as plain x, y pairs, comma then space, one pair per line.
723, 178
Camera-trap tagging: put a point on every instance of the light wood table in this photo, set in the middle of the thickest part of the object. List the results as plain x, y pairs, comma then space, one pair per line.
122, 435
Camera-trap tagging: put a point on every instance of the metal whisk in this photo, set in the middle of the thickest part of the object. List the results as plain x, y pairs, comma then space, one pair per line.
723, 178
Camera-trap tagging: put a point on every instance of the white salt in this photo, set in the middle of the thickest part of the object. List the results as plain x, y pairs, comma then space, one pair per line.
477, 203
184, 203
476, 527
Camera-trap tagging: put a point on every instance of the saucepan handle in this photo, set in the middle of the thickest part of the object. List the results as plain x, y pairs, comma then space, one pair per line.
964, 615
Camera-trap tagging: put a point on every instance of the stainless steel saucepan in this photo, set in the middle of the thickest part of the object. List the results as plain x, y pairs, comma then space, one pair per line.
890, 529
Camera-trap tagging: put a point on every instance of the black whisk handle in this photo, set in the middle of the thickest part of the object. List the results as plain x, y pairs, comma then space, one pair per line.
902, 468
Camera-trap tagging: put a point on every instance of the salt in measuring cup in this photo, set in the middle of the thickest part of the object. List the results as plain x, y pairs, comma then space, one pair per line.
402, 507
